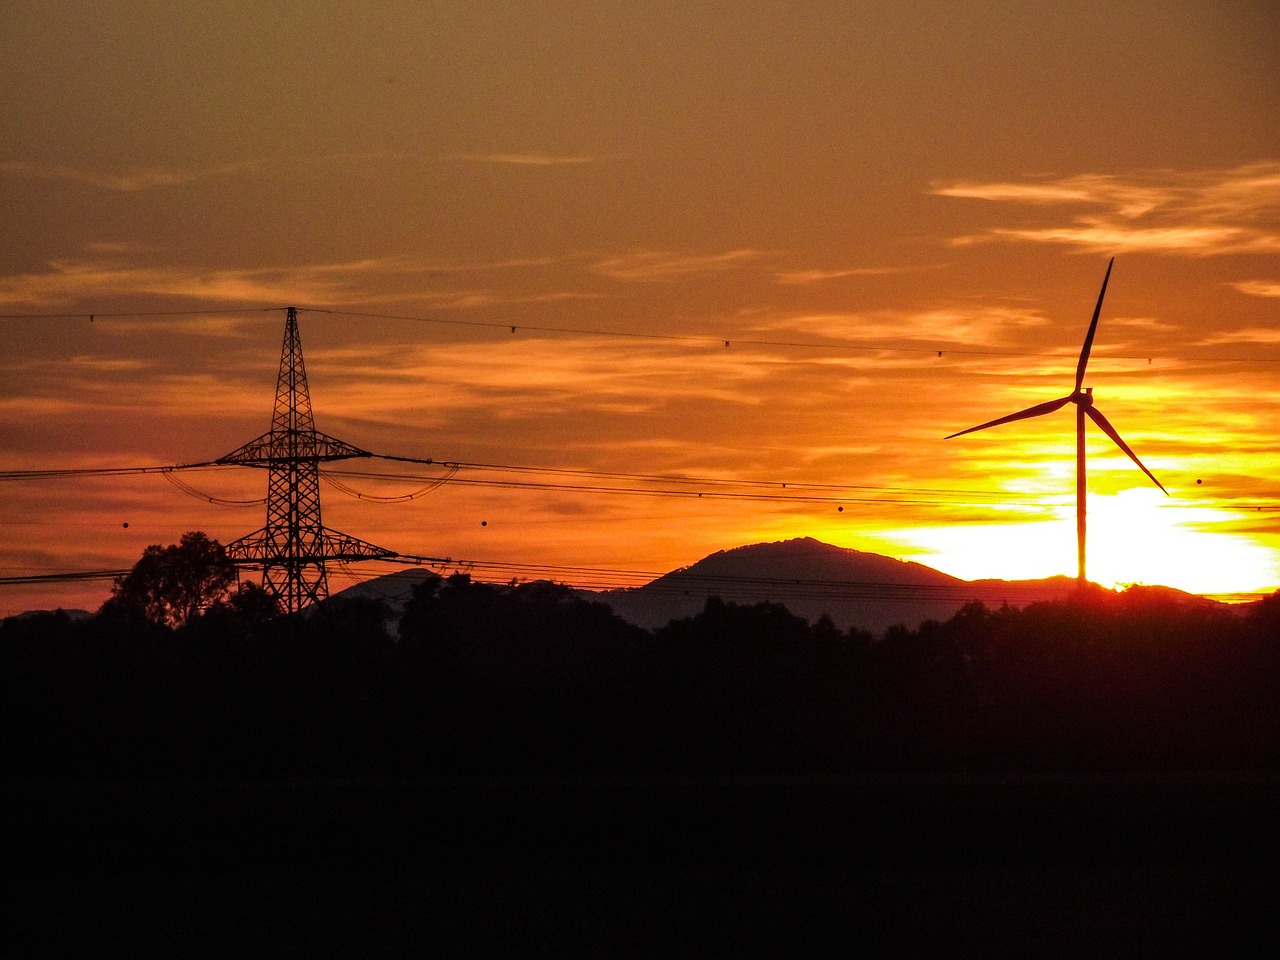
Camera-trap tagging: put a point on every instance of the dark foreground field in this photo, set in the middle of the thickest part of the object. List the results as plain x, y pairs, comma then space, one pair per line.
517, 772
621, 867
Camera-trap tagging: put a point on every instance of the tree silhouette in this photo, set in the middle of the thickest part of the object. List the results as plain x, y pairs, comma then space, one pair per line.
529, 634
170, 586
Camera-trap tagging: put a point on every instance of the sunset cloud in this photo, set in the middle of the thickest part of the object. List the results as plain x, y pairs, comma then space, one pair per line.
533, 374
130, 180
478, 266
1128, 200
533, 159
69, 281
476, 299
1189, 213
1259, 288
657, 266
1103, 237
1247, 335
113, 272
137, 178
817, 275
977, 324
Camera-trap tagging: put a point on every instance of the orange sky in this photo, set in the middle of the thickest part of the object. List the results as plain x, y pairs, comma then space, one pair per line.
840, 190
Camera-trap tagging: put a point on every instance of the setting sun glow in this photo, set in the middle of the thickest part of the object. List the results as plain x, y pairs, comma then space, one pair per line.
1136, 536
658, 286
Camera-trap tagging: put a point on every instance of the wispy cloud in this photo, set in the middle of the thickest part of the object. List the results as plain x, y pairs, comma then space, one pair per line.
90, 364
137, 178
69, 281
111, 270
1249, 335
819, 275
1259, 288
129, 180
478, 266
1127, 199
944, 324
1146, 325
659, 265
1188, 213
210, 327
532, 374
1101, 236
476, 299
534, 159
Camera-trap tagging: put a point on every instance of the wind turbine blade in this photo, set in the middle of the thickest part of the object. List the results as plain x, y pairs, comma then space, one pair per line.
1093, 328
1039, 410
1096, 416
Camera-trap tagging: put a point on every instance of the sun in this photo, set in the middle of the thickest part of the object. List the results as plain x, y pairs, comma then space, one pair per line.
1135, 536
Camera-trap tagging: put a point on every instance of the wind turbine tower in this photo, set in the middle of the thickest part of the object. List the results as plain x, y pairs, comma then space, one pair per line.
1082, 397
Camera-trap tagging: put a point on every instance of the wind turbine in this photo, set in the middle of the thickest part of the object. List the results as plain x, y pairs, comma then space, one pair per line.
1082, 397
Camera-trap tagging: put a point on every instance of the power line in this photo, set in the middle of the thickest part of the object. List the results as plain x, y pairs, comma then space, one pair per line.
130, 314
293, 449
708, 340
668, 478
453, 466
54, 474
701, 339
208, 497
684, 582
912, 496
327, 477
661, 492
677, 582
66, 577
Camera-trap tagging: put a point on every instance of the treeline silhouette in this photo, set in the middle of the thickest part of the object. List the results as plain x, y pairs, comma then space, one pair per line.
532, 678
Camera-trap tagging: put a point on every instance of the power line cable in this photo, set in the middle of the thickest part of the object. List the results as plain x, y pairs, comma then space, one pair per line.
665, 492
61, 474
677, 582
329, 478
130, 314
452, 468
65, 577
708, 340
703, 339
684, 582
925, 496
207, 497
672, 478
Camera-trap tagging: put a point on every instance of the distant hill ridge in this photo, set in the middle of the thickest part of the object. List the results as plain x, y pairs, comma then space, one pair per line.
810, 559
854, 588
812, 578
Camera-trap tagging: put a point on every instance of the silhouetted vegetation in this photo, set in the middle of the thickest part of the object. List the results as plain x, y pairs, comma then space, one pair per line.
347, 747
173, 585
532, 678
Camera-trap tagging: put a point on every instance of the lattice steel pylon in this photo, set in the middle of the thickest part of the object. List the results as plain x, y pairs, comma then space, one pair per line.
295, 545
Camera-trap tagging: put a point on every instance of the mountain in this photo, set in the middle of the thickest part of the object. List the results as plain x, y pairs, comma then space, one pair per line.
72, 613
394, 588
812, 578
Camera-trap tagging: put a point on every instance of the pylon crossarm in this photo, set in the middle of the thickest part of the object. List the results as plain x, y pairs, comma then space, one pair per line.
251, 548
290, 447
340, 546
259, 547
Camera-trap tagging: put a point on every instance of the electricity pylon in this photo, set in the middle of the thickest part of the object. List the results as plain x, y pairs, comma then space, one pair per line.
295, 545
